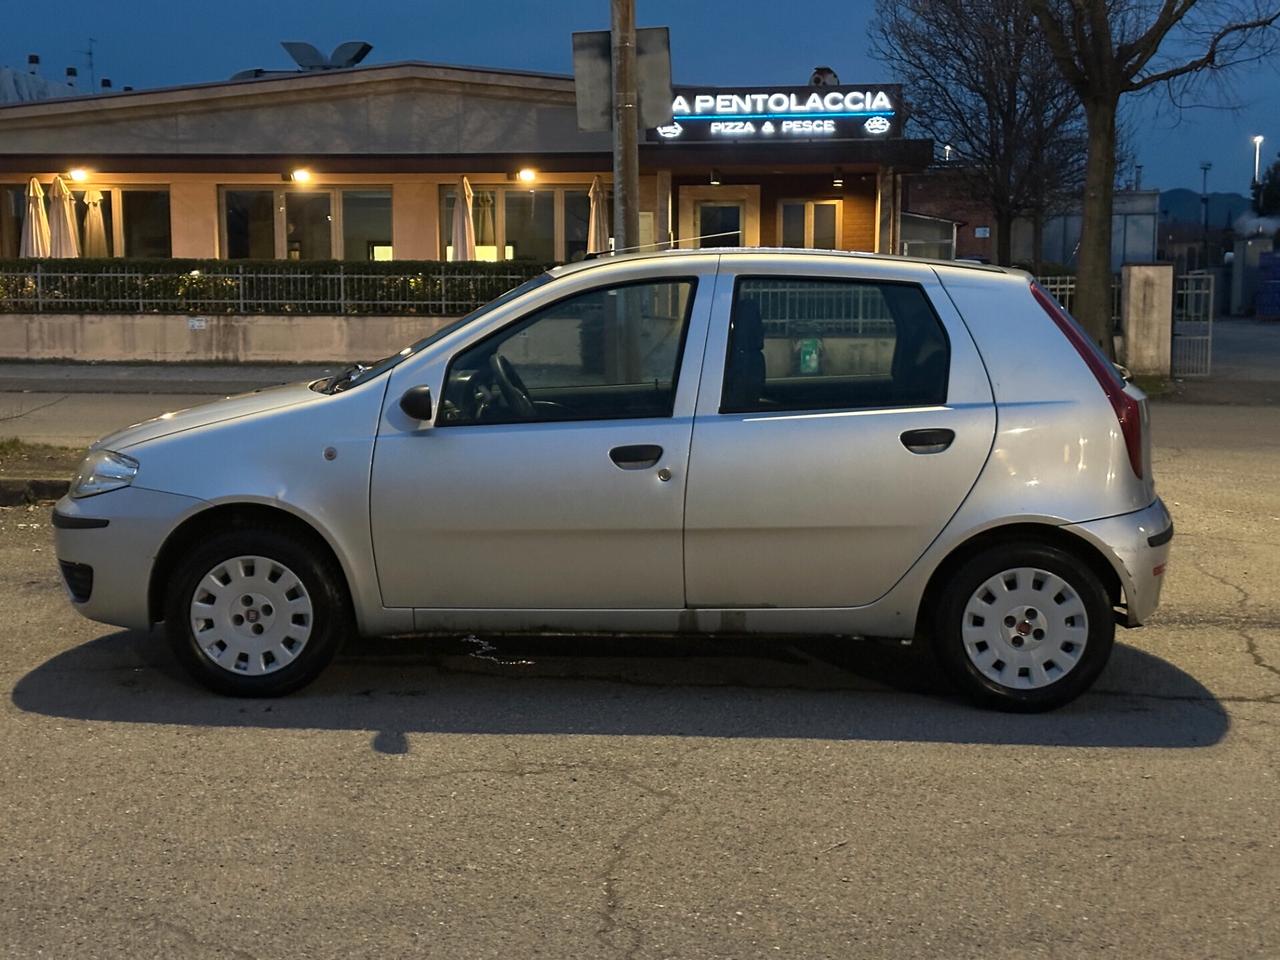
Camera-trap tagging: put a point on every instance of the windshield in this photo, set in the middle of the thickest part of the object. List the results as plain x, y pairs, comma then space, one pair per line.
360, 373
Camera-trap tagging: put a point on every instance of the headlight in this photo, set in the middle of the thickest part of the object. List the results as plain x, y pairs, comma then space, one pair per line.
101, 471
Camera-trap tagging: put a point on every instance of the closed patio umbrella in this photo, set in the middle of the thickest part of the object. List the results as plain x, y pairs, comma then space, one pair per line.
464, 231
95, 230
598, 220
486, 232
35, 226
64, 235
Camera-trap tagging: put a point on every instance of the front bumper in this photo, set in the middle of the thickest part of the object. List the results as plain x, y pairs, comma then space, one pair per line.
1137, 544
119, 553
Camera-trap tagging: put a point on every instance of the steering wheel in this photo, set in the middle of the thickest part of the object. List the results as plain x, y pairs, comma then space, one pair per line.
513, 389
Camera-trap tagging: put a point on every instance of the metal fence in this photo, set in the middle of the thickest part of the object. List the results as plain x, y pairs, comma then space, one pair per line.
434, 289
1192, 345
1063, 289
800, 308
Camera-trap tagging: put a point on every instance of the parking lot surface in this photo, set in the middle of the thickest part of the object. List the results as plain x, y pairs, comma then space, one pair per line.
598, 798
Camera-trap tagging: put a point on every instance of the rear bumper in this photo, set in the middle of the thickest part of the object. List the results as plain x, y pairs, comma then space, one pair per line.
1137, 544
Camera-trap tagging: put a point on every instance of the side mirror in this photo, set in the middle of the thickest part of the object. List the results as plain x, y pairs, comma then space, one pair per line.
416, 402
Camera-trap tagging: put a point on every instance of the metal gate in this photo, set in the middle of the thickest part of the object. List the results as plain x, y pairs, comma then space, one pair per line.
1193, 324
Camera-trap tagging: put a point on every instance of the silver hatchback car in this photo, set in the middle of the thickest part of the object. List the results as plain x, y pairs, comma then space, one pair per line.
705, 442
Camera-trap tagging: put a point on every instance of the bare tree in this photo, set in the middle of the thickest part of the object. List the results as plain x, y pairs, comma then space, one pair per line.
983, 81
1266, 192
1106, 49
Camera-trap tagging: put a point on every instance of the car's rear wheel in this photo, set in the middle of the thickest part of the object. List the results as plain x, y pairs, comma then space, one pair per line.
1024, 626
256, 614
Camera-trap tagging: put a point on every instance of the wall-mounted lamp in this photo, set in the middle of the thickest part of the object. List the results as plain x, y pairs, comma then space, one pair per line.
838, 179
526, 174
300, 175
79, 174
715, 177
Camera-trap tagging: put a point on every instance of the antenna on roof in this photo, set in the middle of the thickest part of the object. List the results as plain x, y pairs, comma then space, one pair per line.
88, 55
658, 244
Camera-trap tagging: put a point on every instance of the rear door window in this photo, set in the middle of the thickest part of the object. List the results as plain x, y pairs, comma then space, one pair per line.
829, 344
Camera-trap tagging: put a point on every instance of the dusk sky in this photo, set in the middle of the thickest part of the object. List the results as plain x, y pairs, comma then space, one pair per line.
148, 43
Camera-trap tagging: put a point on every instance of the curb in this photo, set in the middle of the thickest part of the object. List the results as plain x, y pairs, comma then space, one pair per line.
17, 493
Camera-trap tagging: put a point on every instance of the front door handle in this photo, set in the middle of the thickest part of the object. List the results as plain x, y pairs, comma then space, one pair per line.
933, 440
637, 456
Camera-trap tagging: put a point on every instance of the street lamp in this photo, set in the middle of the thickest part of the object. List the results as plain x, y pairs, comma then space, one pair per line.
1205, 167
1257, 158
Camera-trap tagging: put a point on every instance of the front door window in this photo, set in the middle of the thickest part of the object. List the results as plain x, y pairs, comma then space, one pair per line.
606, 354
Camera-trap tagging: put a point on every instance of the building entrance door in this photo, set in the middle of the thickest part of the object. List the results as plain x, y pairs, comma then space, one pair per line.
718, 223
727, 215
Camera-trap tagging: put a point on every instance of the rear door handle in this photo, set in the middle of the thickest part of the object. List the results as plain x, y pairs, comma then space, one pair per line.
637, 456
933, 440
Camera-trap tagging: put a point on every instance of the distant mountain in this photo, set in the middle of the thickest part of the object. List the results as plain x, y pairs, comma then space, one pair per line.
1183, 206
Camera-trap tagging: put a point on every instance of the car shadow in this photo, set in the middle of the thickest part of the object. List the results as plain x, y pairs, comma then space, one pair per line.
753, 688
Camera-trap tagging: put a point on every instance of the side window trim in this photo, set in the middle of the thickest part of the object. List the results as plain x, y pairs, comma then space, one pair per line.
724, 408
512, 327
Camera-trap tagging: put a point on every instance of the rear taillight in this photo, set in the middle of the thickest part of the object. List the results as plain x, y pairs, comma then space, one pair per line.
1127, 409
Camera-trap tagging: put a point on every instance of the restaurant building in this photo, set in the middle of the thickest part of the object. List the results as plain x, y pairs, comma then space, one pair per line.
366, 163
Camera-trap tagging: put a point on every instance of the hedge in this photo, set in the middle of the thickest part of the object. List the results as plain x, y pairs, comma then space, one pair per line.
255, 286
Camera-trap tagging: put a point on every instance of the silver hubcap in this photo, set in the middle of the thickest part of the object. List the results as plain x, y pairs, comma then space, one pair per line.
1025, 628
251, 615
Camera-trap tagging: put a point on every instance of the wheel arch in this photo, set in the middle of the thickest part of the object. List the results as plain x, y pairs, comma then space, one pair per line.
219, 518
1044, 533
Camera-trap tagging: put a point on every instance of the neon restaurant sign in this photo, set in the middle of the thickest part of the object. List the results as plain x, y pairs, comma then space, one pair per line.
783, 113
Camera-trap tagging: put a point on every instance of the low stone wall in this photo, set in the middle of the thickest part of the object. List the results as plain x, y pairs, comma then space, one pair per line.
224, 339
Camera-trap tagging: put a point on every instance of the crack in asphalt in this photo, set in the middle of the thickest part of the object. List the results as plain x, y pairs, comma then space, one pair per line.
192, 940
1244, 594
609, 913
1233, 622
25, 413
1251, 647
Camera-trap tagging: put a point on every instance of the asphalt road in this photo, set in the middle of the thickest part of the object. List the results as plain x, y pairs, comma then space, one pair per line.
651, 800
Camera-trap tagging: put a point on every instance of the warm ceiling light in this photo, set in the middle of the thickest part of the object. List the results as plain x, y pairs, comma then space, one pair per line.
301, 175
526, 175
715, 177
838, 179
79, 174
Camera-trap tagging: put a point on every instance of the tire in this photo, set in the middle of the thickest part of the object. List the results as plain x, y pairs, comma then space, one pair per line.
1024, 627
296, 616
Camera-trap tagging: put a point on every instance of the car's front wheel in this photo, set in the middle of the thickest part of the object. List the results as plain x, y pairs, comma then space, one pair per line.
1024, 626
255, 613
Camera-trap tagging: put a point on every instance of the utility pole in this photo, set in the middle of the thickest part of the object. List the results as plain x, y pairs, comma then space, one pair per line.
1205, 167
626, 158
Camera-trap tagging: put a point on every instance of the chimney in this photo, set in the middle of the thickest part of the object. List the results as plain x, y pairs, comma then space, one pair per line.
72, 73
33, 63
106, 83
126, 89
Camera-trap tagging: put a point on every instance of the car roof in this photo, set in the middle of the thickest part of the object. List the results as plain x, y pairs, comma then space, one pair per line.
746, 254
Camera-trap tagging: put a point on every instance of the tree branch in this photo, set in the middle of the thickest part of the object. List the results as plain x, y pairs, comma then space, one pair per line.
1207, 59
